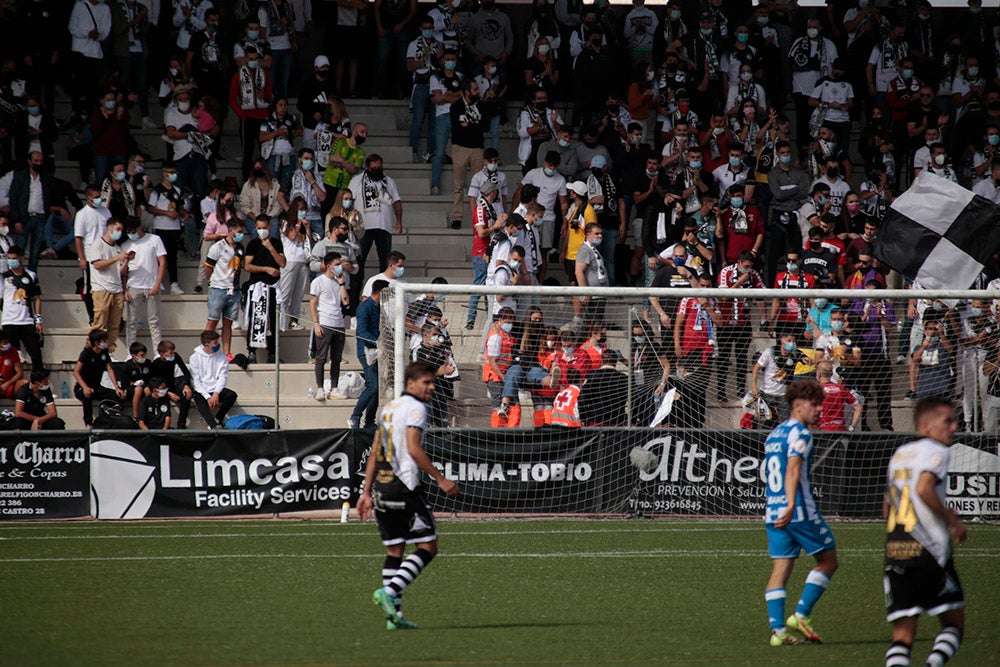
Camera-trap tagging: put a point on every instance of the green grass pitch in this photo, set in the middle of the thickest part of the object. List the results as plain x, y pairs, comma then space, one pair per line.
501, 592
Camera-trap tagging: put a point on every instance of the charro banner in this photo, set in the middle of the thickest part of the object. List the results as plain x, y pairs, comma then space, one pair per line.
500, 470
180, 474
44, 477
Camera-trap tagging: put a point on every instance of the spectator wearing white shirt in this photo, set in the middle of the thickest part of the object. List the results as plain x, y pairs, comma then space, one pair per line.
811, 58
189, 18
170, 208
552, 195
507, 273
640, 30
377, 198
88, 225
22, 306
89, 25
489, 173
143, 281
392, 274
327, 300
989, 187
932, 135
223, 266
108, 264
445, 88
837, 95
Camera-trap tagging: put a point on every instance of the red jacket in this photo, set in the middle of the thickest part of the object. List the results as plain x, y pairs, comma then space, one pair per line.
234, 98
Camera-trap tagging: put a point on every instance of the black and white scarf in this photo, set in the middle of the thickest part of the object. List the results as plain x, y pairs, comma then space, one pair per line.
302, 188
547, 131
252, 81
802, 56
127, 193
472, 114
712, 53
670, 33
371, 192
893, 54
280, 18
260, 298
422, 46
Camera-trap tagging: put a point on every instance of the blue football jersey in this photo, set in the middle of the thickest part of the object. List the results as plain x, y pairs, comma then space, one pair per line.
790, 438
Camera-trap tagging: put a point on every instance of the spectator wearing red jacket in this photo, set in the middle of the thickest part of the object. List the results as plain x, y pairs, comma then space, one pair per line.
836, 397
109, 127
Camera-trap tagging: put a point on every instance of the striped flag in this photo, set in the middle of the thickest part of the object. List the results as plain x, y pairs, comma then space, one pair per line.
939, 234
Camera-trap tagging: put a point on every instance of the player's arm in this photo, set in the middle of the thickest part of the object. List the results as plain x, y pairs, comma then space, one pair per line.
364, 505
413, 446
793, 472
926, 489
856, 416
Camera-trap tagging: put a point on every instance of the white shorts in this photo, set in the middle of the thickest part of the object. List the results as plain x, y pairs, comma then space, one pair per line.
548, 233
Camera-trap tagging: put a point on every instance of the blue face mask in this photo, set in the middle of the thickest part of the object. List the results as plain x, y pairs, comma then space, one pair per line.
821, 201
110, 105
785, 159
639, 339
427, 34
514, 265
170, 358
307, 165
216, 347
743, 38
821, 303
116, 235
121, 176
762, 20
549, 172
976, 312
793, 267
934, 339
737, 202
507, 326
837, 325
133, 236
238, 237
695, 164
34, 111
171, 178
252, 64
399, 272
735, 162
789, 347
14, 263
679, 261
338, 270
450, 65
252, 35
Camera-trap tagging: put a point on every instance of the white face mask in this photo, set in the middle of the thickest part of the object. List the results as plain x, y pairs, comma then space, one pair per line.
183, 107
939, 160
263, 234
813, 33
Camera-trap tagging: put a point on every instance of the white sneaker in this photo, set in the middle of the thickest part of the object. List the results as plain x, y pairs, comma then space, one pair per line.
175, 289
335, 395
295, 326
149, 124
320, 396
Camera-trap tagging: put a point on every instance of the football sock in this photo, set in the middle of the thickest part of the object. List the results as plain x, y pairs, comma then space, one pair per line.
816, 584
898, 655
775, 608
389, 569
409, 570
945, 645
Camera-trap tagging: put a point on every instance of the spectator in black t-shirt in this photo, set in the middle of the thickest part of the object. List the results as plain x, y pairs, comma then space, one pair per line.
35, 408
818, 261
175, 373
602, 398
154, 408
435, 349
468, 123
133, 375
265, 258
94, 361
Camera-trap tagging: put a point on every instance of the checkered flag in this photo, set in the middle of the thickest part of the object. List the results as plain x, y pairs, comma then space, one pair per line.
939, 234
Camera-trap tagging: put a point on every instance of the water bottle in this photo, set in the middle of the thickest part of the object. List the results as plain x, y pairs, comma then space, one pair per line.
310, 393
65, 390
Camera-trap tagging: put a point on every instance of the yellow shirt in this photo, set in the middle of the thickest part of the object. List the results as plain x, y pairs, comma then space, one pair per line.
576, 237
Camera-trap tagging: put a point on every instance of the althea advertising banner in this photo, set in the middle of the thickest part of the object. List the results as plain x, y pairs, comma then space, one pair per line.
184, 474
44, 477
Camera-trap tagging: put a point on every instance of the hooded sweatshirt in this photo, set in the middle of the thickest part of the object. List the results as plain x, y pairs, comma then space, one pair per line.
209, 371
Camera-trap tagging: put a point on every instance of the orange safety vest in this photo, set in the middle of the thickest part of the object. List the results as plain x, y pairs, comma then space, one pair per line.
507, 343
565, 409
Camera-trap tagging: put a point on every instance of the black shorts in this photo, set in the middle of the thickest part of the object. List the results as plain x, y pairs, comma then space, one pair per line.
404, 518
911, 591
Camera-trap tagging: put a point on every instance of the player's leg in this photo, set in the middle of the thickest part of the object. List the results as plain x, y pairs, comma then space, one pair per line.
816, 583
948, 640
904, 631
774, 596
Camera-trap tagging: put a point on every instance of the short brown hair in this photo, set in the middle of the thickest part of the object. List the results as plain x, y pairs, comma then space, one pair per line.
806, 390
926, 406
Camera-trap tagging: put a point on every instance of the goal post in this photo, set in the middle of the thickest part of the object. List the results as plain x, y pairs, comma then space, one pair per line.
622, 400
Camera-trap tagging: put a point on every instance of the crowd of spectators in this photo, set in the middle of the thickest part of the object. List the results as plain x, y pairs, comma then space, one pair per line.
748, 145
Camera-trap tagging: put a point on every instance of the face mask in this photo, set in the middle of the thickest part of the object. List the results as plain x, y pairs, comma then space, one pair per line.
491, 70
735, 162
375, 174
133, 236
341, 238
813, 33
171, 178
103, 345
939, 160
821, 303
301, 214
34, 111
238, 237
938, 306
994, 139
907, 73
679, 261
4, 230
785, 159
338, 270
183, 107
450, 65
507, 326
549, 172
139, 169
792, 266
562, 144
170, 358
854, 207
212, 27
492, 166
934, 339
639, 339
514, 265
973, 72
347, 204
120, 176
568, 351
549, 344
427, 34
44, 387
399, 272
252, 35
675, 15
821, 201
263, 234
543, 49
360, 140
695, 164
976, 312
737, 202
789, 347
597, 172
14, 263
718, 131
837, 325
746, 76
975, 10
649, 76
743, 38
762, 20
4, 347
216, 347
161, 393
116, 235
174, 72
705, 32
252, 64
110, 104
651, 173
833, 173
743, 271
307, 165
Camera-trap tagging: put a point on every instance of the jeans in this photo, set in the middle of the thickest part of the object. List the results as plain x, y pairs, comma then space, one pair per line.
171, 241
32, 234
368, 400
330, 347
420, 102
383, 246
132, 70
64, 226
192, 172
479, 268
517, 374
442, 133
284, 171
491, 138
390, 73
281, 72
609, 242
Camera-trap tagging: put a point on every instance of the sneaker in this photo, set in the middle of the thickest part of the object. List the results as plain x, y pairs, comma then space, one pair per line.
384, 598
352, 424
320, 396
400, 624
804, 627
900, 358
427, 157
149, 124
469, 326
198, 289
503, 411
435, 190
335, 395
911, 395
456, 224
784, 639
48, 253
175, 289
295, 326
